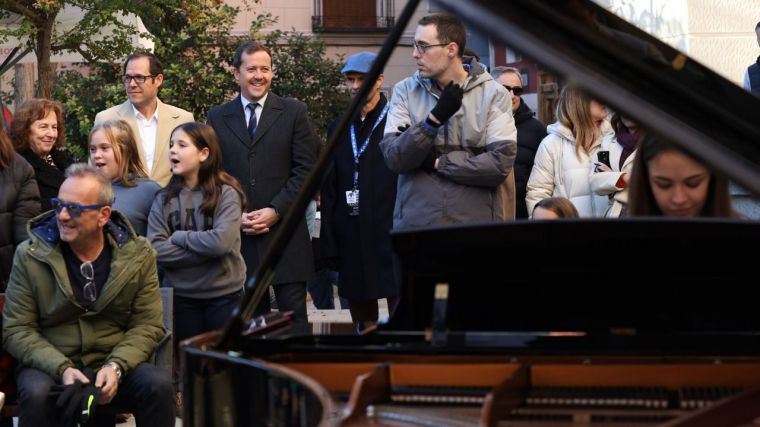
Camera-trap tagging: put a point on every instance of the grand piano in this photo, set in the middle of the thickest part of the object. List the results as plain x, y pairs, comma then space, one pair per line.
633, 322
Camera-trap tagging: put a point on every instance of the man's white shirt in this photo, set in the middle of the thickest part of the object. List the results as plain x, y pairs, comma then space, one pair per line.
259, 109
148, 129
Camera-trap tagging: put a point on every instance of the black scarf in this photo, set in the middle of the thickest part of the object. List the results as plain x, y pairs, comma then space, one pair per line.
629, 140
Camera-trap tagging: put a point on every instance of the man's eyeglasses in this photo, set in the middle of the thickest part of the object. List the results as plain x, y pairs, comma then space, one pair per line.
88, 273
517, 90
137, 78
422, 48
75, 210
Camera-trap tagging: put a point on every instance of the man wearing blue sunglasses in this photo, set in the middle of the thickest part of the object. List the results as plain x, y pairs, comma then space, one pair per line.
83, 293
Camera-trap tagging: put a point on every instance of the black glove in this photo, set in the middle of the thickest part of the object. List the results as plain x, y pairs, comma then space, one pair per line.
90, 395
75, 403
402, 129
448, 103
68, 403
428, 165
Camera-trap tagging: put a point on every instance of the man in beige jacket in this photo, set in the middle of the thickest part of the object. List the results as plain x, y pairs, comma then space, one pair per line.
151, 120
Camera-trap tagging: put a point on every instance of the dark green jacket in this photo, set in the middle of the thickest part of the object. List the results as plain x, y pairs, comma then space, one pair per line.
45, 328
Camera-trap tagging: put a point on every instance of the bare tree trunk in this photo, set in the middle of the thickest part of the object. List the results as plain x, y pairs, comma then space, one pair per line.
45, 70
24, 88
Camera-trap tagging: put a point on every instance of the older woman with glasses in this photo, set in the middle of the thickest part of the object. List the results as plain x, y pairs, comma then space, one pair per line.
37, 134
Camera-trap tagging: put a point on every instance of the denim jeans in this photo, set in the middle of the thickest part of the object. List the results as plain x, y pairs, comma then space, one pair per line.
146, 391
194, 316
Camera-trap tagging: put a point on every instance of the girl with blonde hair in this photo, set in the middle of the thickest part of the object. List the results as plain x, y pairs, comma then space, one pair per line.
565, 157
113, 149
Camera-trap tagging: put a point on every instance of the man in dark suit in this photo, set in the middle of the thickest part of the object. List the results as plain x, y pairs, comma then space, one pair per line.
268, 145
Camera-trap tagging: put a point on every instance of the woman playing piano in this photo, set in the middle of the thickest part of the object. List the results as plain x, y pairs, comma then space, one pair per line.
666, 181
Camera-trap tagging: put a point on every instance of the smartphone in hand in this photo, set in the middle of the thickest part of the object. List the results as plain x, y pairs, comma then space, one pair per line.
604, 157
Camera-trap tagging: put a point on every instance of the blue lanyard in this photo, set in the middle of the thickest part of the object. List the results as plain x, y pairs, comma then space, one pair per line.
358, 152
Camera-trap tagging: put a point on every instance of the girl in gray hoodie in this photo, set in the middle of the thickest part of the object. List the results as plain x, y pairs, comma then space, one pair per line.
194, 225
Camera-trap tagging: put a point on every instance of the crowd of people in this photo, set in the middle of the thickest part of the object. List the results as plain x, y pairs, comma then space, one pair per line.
196, 204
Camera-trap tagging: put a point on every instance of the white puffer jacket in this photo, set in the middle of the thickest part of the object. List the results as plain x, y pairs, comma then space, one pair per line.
604, 183
560, 171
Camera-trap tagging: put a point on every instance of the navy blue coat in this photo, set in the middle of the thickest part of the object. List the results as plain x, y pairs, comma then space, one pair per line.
271, 170
360, 246
530, 133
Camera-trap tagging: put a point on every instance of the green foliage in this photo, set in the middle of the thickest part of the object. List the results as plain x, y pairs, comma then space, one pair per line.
83, 96
302, 71
193, 40
196, 73
34, 23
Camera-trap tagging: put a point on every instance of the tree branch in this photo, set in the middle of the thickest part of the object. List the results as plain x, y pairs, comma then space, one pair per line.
22, 9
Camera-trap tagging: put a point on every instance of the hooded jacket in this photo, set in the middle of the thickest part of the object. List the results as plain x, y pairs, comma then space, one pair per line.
560, 170
45, 328
475, 149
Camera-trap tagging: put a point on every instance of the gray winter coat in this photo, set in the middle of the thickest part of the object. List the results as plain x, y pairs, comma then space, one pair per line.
475, 149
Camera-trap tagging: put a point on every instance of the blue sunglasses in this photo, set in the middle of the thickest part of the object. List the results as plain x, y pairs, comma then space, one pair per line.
74, 209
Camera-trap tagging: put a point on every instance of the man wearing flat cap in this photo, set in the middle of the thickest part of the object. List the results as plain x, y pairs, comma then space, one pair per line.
357, 203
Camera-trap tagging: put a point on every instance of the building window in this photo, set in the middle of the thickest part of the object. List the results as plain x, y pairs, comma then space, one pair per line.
513, 56
336, 16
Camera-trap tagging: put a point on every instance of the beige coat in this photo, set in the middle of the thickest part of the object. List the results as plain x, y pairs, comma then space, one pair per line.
169, 117
508, 191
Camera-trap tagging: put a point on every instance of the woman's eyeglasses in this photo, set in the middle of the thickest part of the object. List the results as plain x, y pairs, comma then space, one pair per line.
517, 90
89, 291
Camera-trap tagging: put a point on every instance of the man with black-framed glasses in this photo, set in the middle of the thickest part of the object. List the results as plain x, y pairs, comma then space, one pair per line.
449, 134
151, 120
83, 293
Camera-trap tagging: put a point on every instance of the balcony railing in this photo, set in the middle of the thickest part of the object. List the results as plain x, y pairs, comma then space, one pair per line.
350, 16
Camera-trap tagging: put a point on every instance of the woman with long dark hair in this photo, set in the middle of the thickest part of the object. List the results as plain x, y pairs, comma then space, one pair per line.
667, 181
194, 225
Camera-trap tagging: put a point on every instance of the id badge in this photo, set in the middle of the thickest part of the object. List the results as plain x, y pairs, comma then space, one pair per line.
352, 200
